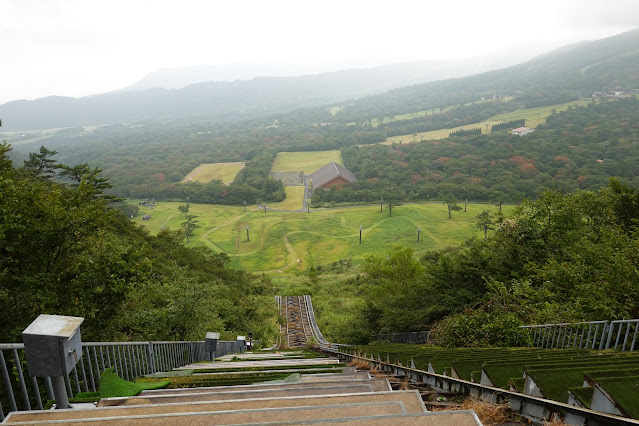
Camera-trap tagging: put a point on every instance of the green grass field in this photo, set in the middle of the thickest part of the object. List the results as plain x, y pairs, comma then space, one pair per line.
294, 199
305, 161
533, 116
279, 240
205, 173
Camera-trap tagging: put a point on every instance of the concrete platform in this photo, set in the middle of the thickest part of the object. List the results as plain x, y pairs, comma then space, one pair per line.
378, 385
264, 415
411, 399
245, 394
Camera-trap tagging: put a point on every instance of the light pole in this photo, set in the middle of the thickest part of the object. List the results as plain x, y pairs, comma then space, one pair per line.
419, 229
360, 234
249, 239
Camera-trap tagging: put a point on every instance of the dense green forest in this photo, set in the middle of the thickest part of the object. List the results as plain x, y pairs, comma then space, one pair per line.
560, 258
63, 250
576, 149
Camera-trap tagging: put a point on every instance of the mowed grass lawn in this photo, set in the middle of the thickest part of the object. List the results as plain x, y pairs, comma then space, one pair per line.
533, 116
307, 162
294, 199
205, 173
279, 240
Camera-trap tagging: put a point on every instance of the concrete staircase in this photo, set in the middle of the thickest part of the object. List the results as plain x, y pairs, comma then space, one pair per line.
317, 390
338, 394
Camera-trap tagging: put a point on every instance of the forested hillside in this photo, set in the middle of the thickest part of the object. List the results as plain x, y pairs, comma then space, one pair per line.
150, 157
561, 258
64, 251
576, 149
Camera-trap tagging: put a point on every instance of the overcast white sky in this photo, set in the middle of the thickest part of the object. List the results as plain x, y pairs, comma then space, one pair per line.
81, 47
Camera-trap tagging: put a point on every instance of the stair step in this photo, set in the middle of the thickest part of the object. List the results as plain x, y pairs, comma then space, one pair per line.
378, 385
235, 417
440, 418
314, 378
212, 365
244, 394
315, 371
411, 400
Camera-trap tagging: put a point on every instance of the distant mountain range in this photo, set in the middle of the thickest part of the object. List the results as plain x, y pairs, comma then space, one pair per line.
180, 93
580, 67
178, 78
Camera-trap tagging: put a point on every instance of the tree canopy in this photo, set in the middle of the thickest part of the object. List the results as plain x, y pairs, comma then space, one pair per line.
64, 250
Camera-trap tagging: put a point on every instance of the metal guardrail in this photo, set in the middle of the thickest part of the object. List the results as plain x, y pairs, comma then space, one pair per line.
616, 335
529, 406
317, 334
128, 359
412, 337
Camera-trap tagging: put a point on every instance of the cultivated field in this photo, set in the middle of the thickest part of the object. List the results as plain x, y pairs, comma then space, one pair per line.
305, 161
279, 240
205, 173
533, 116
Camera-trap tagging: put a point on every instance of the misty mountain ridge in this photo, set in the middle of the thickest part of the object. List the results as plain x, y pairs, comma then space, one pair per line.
178, 78
581, 66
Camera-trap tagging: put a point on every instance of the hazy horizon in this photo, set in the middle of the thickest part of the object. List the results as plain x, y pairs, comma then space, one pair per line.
77, 48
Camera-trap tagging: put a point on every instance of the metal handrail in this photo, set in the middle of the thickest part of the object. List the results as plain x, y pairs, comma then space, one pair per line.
517, 400
128, 359
314, 327
410, 337
586, 335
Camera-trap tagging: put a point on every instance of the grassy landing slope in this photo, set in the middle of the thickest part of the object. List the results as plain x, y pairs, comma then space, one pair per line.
279, 240
294, 199
205, 173
533, 116
307, 162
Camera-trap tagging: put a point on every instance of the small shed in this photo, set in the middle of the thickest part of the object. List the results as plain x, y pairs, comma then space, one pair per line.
521, 131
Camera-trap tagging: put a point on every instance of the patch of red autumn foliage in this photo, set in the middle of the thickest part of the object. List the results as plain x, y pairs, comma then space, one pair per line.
528, 168
520, 160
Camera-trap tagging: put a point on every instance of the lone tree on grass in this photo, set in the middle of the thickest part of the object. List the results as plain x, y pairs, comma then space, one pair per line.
189, 226
485, 222
184, 208
451, 202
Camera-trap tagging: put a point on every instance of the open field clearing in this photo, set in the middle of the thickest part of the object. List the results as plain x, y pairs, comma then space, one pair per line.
294, 199
205, 173
424, 113
308, 162
279, 240
533, 116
